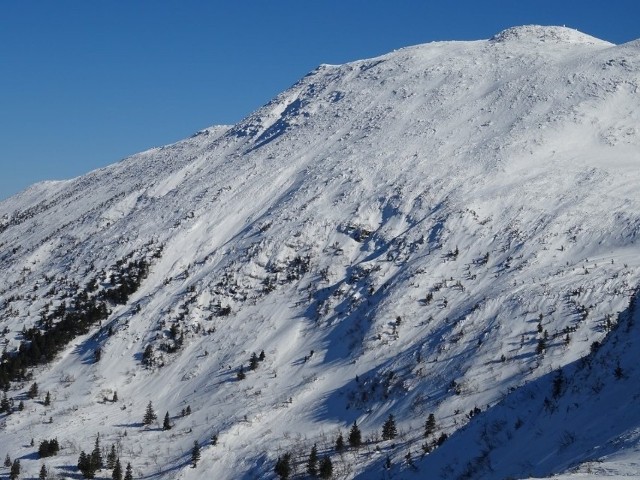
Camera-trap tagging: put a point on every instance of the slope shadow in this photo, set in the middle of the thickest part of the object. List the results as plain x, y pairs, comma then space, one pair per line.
279, 127
69, 471
534, 433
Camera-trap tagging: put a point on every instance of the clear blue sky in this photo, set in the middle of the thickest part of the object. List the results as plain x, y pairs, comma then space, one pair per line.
86, 83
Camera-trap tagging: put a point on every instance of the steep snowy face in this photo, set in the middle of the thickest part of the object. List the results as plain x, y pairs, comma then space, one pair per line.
417, 233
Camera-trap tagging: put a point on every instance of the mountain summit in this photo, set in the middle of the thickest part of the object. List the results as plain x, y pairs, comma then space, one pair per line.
440, 241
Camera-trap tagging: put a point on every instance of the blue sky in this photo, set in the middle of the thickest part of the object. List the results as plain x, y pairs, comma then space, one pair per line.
85, 83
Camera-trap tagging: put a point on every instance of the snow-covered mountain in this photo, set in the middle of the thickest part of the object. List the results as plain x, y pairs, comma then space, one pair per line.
448, 229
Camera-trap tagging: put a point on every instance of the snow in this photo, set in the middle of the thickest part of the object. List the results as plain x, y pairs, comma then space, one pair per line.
499, 176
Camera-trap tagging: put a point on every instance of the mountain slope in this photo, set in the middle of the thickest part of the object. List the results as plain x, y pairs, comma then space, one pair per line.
418, 233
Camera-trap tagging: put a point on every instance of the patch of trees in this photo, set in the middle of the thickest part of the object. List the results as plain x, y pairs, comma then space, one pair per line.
59, 327
48, 448
126, 281
89, 464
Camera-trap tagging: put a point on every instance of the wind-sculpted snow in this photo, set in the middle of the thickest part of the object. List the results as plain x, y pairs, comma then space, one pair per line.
437, 230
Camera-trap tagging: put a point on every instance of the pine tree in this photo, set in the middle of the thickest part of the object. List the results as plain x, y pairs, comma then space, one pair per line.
355, 437
84, 465
558, 384
312, 463
7, 461
147, 355
389, 430
326, 468
117, 470
149, 415
43, 473
112, 456
339, 443
5, 405
128, 475
47, 400
261, 357
241, 375
253, 361
195, 454
618, 372
96, 456
33, 391
115, 396
430, 425
15, 470
541, 347
166, 425
283, 466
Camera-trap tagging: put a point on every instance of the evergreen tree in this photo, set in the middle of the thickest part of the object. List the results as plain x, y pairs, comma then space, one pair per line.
48, 448
195, 454
241, 375
618, 372
389, 430
355, 436
541, 347
166, 425
430, 425
261, 357
115, 397
147, 355
253, 361
15, 470
409, 460
339, 443
312, 463
117, 470
128, 475
7, 461
149, 415
283, 466
326, 468
84, 465
5, 405
96, 455
43, 473
33, 391
112, 456
47, 400
558, 384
